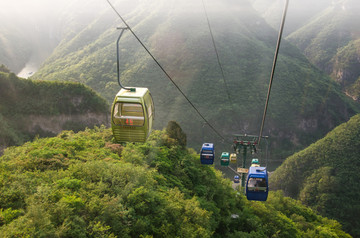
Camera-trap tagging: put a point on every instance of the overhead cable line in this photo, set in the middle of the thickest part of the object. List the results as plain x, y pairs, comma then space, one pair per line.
218, 60
160, 66
273, 68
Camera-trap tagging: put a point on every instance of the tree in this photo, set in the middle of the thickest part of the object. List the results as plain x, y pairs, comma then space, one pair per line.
4, 69
174, 131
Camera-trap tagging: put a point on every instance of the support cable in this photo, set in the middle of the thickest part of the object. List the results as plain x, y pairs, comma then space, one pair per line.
234, 171
160, 66
273, 68
220, 65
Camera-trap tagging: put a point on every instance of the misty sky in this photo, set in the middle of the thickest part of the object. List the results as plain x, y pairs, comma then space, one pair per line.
35, 6
46, 5
51, 8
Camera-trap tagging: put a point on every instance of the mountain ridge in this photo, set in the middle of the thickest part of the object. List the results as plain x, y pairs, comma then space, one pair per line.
42, 108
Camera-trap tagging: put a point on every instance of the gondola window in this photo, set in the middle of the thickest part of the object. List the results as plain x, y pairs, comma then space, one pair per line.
257, 184
130, 114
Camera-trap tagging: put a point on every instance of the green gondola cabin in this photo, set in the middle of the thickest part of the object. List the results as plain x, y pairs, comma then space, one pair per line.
132, 115
224, 159
255, 163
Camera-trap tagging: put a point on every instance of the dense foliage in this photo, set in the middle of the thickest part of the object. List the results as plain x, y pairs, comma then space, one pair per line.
84, 185
174, 131
325, 175
22, 101
313, 104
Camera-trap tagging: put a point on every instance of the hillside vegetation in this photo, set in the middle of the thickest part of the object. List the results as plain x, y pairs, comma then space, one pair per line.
176, 32
331, 42
45, 108
325, 175
84, 185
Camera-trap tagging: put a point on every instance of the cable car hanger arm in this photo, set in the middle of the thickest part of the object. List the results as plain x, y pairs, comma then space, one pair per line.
118, 58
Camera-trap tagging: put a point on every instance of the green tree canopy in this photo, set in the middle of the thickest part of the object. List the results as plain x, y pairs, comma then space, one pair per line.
84, 185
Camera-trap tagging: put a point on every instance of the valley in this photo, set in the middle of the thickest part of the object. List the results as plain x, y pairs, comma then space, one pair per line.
55, 118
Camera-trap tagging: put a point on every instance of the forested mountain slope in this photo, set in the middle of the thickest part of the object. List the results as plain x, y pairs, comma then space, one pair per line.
31, 108
177, 34
84, 185
331, 42
346, 68
325, 176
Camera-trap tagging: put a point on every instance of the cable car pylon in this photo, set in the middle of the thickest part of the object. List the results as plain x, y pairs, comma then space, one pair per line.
257, 179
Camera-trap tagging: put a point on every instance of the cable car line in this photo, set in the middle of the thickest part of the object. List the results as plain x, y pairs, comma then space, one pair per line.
235, 172
273, 68
160, 66
218, 60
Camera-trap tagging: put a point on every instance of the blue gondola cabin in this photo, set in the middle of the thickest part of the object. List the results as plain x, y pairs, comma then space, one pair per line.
207, 153
257, 187
236, 179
